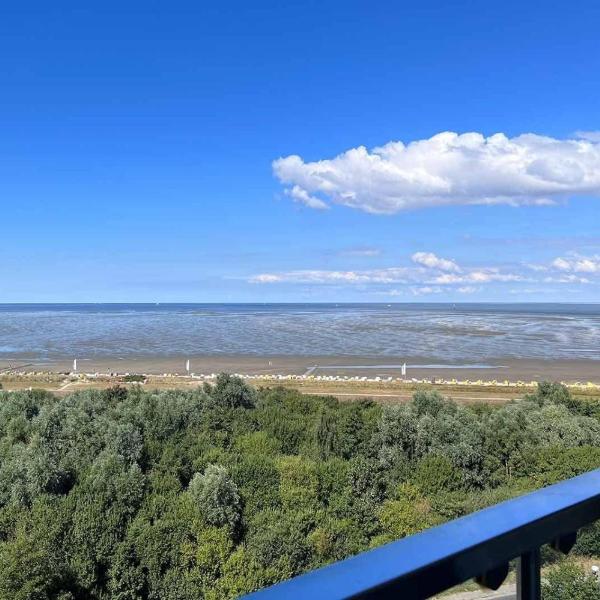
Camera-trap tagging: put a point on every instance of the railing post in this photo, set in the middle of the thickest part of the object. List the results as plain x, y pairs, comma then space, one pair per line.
529, 585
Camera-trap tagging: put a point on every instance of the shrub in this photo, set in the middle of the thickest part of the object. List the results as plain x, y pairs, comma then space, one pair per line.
216, 496
569, 580
232, 392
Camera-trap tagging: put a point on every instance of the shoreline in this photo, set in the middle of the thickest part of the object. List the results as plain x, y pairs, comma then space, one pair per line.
346, 367
347, 378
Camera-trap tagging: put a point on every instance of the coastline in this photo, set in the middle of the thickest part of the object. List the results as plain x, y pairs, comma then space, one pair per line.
417, 367
347, 378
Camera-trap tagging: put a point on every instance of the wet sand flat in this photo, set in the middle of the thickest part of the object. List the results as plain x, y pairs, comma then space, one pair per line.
418, 367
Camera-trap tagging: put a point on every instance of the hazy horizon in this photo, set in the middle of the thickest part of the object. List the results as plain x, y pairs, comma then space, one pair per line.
315, 302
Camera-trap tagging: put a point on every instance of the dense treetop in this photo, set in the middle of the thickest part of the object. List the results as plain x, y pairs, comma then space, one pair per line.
125, 493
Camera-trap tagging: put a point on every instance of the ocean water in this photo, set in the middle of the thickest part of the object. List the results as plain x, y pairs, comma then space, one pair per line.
439, 332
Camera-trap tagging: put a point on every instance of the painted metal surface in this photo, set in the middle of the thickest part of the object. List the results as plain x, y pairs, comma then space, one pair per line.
439, 558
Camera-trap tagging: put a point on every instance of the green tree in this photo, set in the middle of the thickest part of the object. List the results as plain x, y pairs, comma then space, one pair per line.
133, 494
299, 483
569, 580
435, 474
232, 392
429, 402
279, 539
551, 393
125, 440
325, 433
407, 513
216, 496
258, 479
548, 465
102, 507
32, 561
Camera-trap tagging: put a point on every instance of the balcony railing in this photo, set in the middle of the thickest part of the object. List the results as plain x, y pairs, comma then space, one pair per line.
479, 545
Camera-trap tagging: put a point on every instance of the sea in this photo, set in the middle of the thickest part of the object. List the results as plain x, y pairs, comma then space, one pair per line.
440, 332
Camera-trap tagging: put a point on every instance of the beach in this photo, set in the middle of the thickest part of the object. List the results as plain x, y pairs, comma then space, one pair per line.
347, 378
510, 369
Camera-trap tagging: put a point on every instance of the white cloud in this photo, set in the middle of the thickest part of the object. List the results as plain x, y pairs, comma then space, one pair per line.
303, 197
566, 279
477, 276
430, 260
492, 275
448, 278
428, 273
592, 136
520, 291
365, 252
538, 268
425, 290
560, 263
391, 275
577, 264
448, 169
265, 278
407, 275
573, 268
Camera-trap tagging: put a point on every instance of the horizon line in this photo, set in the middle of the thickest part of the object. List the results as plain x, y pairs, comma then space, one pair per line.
343, 302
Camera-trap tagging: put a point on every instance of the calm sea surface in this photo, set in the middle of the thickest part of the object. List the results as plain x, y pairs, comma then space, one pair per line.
437, 331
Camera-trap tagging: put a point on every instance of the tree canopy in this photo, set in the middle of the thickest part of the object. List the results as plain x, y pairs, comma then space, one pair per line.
221, 490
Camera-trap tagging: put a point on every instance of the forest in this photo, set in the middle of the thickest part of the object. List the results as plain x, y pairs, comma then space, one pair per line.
130, 494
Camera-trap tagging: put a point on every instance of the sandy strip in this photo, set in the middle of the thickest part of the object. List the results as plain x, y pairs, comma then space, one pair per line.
499, 369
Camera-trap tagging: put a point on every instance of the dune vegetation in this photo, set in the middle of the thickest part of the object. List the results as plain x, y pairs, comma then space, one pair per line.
126, 493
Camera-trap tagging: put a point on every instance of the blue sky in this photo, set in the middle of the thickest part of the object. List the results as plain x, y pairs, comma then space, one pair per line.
137, 146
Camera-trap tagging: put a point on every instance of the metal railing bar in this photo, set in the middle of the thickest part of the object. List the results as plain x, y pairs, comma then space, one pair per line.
439, 558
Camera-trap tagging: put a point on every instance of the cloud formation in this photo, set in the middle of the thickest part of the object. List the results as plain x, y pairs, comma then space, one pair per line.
566, 279
429, 259
592, 136
577, 264
572, 268
448, 169
430, 272
486, 275
303, 197
389, 275
426, 274
361, 252
426, 290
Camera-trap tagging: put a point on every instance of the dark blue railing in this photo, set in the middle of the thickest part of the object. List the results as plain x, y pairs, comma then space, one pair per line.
479, 545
